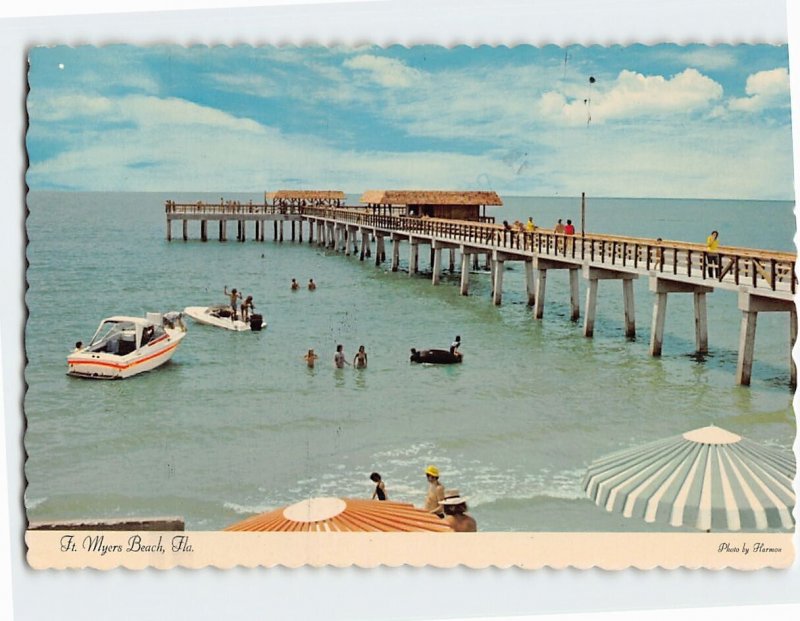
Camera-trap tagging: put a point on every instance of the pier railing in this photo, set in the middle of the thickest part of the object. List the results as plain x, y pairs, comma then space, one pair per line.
233, 208
739, 266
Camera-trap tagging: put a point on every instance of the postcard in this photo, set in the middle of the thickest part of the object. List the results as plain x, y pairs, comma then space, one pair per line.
527, 306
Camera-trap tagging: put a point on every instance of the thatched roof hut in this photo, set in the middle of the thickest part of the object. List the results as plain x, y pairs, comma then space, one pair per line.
448, 204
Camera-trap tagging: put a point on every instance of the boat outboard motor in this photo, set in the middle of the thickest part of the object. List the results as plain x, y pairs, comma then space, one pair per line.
256, 321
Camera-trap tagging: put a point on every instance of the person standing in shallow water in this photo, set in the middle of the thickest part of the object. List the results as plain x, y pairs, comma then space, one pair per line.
311, 284
295, 285
360, 359
339, 359
380, 488
310, 358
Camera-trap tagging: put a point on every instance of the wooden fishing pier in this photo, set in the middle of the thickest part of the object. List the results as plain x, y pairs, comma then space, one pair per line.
765, 280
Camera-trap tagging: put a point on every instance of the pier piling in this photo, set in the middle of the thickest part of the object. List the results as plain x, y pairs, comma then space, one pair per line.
661, 287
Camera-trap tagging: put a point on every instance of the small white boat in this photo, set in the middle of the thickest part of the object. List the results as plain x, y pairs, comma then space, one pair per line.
222, 317
126, 346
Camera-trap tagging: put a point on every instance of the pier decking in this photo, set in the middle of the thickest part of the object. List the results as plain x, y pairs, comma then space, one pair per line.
764, 280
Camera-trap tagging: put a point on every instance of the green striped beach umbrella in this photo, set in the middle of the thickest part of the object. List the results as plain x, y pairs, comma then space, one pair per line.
708, 478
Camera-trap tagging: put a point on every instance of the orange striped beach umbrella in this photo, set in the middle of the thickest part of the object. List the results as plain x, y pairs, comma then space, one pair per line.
343, 515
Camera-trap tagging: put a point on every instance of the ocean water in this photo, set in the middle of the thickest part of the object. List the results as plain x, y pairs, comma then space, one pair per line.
236, 424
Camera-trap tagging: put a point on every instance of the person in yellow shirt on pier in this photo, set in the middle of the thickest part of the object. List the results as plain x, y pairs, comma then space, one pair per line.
712, 256
530, 227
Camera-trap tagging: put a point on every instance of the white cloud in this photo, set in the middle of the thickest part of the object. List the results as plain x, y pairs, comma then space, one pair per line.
140, 110
388, 72
765, 89
707, 58
174, 145
633, 95
247, 84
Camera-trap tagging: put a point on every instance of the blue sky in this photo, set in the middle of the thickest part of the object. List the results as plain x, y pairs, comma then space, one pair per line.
664, 121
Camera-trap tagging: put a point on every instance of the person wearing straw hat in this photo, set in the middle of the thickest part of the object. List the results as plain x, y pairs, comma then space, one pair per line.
455, 512
435, 492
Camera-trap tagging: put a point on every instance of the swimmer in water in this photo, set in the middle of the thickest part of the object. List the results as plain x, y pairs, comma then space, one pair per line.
360, 360
310, 357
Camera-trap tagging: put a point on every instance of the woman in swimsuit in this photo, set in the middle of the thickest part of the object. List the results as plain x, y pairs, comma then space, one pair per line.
380, 488
360, 360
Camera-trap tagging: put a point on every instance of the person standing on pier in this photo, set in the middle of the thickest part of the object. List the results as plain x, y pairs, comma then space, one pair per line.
569, 231
712, 258
530, 227
435, 492
339, 359
235, 296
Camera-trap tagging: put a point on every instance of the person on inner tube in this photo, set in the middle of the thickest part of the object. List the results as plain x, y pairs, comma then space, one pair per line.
454, 347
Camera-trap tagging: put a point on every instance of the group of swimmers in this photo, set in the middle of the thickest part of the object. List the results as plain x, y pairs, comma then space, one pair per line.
296, 285
339, 359
446, 504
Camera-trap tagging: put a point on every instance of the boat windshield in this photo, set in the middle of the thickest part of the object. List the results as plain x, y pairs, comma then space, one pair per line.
110, 333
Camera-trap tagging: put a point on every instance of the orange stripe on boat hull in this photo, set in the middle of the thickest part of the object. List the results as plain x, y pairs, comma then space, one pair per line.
122, 367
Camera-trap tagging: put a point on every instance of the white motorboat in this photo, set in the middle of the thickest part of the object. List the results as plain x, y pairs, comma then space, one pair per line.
222, 317
126, 346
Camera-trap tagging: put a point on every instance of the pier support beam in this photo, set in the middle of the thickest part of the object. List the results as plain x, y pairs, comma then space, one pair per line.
280, 231
465, 260
310, 232
380, 249
436, 263
169, 229
663, 286
574, 296
364, 244
498, 267
395, 253
751, 304
437, 248
204, 230
413, 256
542, 266
185, 230
595, 274
530, 283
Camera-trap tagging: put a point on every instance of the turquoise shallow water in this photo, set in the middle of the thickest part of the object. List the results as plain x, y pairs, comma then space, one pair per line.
237, 424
